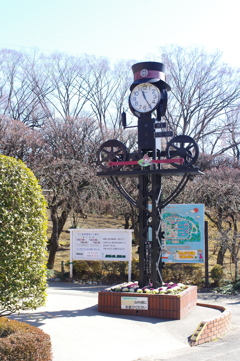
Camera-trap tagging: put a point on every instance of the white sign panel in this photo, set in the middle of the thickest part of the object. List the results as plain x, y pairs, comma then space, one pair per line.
134, 303
101, 244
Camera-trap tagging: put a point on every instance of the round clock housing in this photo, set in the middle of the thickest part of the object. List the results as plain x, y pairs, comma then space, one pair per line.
144, 98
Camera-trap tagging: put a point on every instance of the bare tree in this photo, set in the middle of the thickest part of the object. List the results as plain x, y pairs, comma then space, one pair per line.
84, 86
69, 91
35, 88
204, 91
231, 138
68, 170
19, 141
108, 89
72, 138
123, 76
65, 181
19, 100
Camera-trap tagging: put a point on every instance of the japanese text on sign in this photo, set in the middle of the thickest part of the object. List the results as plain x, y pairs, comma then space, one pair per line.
101, 245
134, 303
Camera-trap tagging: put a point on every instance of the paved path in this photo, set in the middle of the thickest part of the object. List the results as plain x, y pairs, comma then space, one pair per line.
79, 332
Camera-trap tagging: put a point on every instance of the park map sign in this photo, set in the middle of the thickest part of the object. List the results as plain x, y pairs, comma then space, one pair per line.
183, 226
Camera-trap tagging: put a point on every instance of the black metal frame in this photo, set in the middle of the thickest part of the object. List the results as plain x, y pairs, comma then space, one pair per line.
150, 201
150, 193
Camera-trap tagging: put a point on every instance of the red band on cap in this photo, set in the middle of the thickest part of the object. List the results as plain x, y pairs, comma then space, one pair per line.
147, 74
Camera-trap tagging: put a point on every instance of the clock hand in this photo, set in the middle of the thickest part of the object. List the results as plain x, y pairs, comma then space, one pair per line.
144, 96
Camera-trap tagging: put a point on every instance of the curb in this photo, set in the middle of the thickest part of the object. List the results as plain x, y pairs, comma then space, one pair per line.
210, 330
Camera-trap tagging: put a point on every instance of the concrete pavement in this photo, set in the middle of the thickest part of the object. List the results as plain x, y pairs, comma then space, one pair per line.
79, 332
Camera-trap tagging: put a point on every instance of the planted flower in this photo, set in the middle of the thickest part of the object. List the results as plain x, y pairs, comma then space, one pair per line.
147, 290
162, 292
170, 288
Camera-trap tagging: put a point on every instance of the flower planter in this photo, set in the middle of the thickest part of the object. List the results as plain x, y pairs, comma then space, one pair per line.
174, 307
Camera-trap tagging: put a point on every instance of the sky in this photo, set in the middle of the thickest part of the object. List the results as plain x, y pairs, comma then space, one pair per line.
124, 29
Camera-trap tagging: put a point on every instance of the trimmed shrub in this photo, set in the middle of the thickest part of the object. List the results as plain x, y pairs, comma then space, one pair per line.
20, 341
236, 285
185, 273
23, 238
217, 274
105, 270
118, 272
88, 269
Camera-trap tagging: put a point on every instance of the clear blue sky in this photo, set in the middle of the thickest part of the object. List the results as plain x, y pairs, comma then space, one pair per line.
126, 29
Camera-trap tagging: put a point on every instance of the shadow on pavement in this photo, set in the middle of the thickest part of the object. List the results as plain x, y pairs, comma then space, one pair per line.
38, 318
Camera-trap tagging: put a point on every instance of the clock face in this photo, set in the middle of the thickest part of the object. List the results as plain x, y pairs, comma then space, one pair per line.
145, 97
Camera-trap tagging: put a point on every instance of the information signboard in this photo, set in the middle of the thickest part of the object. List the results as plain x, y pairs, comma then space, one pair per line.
101, 245
183, 226
134, 303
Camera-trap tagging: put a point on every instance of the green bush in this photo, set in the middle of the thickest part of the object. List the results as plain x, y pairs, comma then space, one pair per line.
217, 274
236, 285
23, 227
105, 271
50, 273
135, 269
185, 273
88, 269
20, 341
118, 272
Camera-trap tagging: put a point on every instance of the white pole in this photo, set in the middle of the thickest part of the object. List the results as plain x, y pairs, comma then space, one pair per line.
129, 270
130, 257
71, 253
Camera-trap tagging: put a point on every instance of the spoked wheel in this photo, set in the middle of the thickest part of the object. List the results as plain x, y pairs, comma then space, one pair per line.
184, 147
111, 150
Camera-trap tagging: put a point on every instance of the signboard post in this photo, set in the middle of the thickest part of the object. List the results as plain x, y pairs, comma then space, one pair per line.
101, 245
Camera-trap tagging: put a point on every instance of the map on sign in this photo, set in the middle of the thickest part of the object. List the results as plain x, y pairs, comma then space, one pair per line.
183, 227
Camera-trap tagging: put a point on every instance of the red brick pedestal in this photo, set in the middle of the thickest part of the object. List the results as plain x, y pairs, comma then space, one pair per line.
174, 307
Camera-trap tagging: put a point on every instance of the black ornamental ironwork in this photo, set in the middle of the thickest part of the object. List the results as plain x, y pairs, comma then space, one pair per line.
148, 97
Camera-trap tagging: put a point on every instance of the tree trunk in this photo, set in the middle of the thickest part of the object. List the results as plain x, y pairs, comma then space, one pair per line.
58, 224
220, 256
52, 253
54, 244
236, 269
126, 218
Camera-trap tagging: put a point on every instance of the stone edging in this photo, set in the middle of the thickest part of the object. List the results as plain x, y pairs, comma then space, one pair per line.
212, 329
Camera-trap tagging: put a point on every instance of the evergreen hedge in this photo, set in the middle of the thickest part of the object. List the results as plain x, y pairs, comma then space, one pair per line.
23, 238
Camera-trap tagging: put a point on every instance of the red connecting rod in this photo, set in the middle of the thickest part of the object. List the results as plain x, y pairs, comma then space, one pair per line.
156, 161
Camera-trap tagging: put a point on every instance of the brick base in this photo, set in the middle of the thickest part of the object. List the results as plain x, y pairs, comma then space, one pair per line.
174, 307
212, 329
